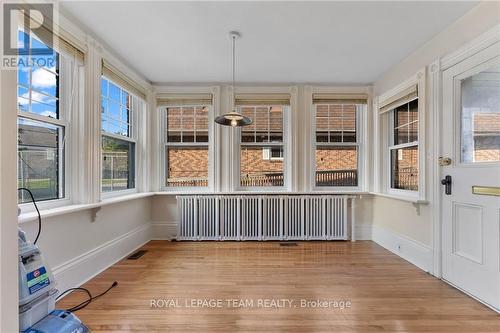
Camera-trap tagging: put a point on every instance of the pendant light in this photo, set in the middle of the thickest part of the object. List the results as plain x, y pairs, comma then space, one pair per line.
233, 118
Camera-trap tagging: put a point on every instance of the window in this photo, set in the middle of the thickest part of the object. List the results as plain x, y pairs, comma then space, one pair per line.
41, 123
403, 147
186, 140
118, 137
262, 147
336, 144
480, 138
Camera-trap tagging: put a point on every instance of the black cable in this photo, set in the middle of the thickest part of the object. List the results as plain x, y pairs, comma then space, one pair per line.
37, 211
87, 301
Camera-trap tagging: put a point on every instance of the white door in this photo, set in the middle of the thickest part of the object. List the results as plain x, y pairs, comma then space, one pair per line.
471, 138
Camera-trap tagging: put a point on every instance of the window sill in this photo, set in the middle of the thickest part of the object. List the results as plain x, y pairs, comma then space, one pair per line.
45, 213
410, 199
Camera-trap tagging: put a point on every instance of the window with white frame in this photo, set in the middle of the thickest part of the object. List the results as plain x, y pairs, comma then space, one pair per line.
403, 146
401, 117
187, 145
337, 142
42, 123
118, 137
263, 146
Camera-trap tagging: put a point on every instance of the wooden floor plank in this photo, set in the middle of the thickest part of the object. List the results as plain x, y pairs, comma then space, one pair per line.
387, 293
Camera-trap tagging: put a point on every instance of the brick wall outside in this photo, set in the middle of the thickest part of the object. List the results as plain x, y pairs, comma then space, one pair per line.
187, 162
253, 163
338, 158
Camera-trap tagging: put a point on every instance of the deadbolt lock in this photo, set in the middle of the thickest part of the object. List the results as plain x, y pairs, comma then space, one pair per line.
444, 161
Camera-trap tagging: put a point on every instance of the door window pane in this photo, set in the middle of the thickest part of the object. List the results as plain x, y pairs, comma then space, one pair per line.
187, 166
480, 121
40, 160
337, 166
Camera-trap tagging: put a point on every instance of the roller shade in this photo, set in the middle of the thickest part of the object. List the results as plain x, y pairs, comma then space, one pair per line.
122, 80
183, 99
261, 99
403, 97
340, 98
45, 32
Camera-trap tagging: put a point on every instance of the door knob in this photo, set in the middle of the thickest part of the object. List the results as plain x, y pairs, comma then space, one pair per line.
447, 184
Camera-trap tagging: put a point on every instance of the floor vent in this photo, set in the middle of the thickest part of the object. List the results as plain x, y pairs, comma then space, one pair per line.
136, 255
288, 244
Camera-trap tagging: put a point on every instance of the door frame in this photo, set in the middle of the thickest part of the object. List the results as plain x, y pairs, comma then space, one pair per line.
436, 69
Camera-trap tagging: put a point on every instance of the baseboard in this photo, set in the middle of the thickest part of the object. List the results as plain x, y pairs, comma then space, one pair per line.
412, 251
168, 231
363, 231
163, 230
79, 270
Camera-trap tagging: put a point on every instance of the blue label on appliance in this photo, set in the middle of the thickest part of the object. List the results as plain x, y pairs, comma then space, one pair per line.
37, 279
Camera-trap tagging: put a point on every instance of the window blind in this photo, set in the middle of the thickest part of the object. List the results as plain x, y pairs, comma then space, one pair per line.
340, 98
115, 75
403, 97
47, 32
261, 99
183, 99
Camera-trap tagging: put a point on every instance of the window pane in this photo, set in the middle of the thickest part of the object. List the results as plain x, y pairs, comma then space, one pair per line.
104, 87
201, 124
40, 160
401, 135
406, 123
322, 136
118, 164
114, 92
38, 80
257, 169
262, 124
336, 123
481, 117
248, 132
404, 168
115, 104
276, 123
337, 166
187, 124
187, 166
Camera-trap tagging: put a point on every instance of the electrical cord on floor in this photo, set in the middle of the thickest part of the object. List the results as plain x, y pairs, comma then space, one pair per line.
87, 301
37, 211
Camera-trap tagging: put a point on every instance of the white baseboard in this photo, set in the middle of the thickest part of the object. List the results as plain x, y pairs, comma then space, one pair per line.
363, 231
163, 230
168, 231
79, 270
415, 252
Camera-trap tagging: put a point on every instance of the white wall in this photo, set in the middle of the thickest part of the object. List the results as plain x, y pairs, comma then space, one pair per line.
77, 248
398, 217
475, 22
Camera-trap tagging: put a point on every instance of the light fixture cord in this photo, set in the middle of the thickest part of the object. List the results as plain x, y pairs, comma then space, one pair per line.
234, 67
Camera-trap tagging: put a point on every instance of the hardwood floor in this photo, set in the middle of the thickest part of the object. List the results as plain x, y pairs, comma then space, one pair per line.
386, 293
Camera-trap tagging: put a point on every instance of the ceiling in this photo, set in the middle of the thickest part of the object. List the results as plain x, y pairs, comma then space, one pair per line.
322, 42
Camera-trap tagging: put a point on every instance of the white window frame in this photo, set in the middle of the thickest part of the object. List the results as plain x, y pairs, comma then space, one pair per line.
382, 174
391, 146
287, 160
134, 125
165, 144
68, 115
361, 111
